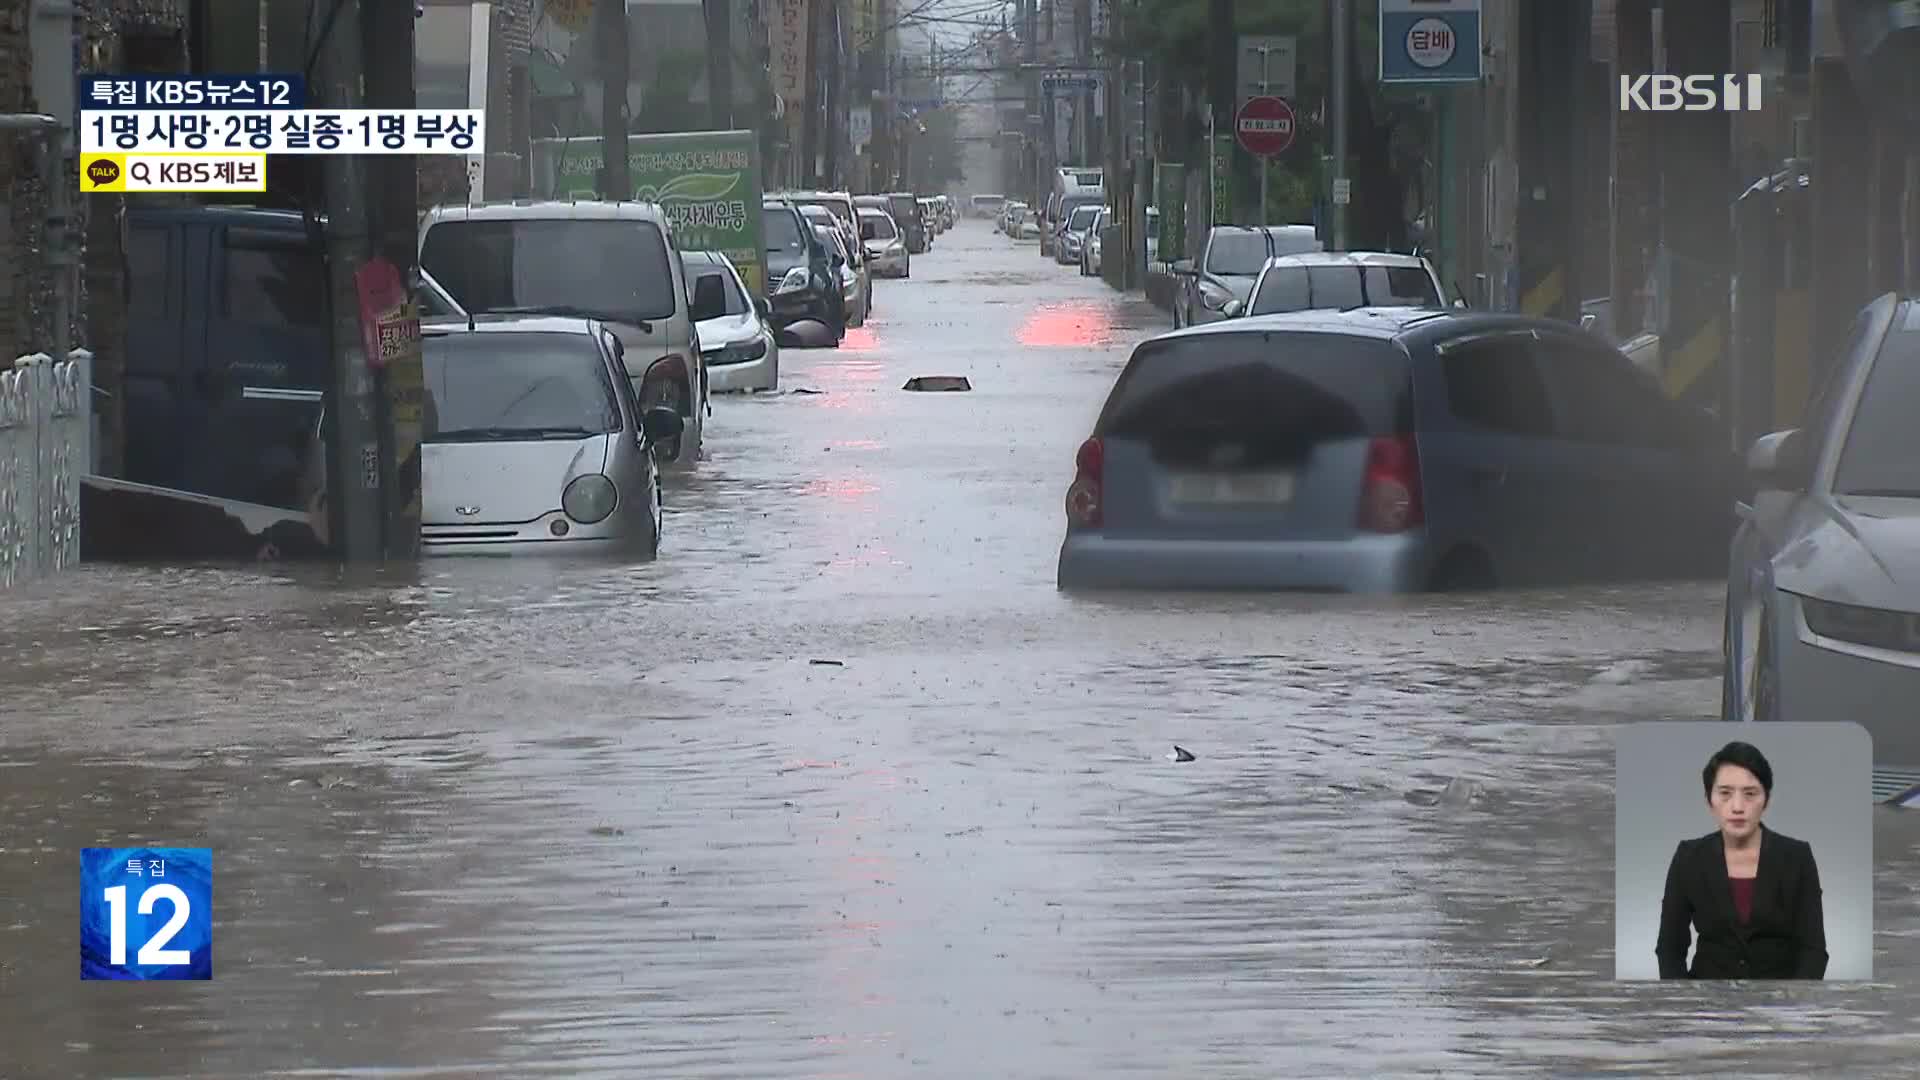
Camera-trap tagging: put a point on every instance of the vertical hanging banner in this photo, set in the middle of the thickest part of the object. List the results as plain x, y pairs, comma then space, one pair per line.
1223, 180
788, 52
390, 327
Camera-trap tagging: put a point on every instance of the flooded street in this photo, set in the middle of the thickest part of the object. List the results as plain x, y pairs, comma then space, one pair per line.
843, 787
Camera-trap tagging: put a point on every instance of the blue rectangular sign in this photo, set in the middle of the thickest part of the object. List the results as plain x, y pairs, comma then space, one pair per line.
241, 92
146, 913
1431, 41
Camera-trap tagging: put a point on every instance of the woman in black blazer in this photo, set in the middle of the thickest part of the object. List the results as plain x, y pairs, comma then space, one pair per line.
1751, 894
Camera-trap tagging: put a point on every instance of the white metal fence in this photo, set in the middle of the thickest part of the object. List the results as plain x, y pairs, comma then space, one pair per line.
46, 447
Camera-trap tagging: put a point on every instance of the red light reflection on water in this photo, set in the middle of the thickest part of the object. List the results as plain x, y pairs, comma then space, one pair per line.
850, 491
1067, 326
860, 339
849, 382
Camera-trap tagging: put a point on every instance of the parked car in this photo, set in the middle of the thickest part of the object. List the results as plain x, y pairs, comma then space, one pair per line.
1392, 450
1090, 251
886, 248
1342, 279
987, 206
929, 219
740, 349
1073, 233
1823, 591
533, 440
843, 267
1019, 224
802, 282
615, 262
1230, 261
856, 269
905, 209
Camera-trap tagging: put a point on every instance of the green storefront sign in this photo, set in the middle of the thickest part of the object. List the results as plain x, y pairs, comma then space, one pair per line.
1223, 180
1170, 195
707, 183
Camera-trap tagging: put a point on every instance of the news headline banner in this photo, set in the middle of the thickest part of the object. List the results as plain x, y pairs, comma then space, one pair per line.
192, 92
280, 131
172, 172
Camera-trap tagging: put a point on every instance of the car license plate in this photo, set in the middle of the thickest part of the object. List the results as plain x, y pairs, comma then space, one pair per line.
1234, 489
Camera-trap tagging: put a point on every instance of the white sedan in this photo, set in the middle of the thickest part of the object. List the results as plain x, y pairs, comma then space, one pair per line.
1823, 591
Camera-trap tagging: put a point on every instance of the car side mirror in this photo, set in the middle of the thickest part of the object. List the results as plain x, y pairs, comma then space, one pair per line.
1589, 320
1459, 302
1233, 309
764, 306
1781, 461
709, 298
662, 423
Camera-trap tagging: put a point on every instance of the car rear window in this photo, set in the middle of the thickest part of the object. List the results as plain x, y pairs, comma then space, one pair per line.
905, 207
1290, 389
1302, 288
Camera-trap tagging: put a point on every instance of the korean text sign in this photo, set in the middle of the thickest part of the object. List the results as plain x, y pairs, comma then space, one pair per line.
282, 131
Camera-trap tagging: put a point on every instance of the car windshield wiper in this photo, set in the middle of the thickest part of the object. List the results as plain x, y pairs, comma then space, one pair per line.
480, 434
570, 311
1885, 493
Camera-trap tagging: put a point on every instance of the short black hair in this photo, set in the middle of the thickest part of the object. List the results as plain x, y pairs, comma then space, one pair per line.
1745, 755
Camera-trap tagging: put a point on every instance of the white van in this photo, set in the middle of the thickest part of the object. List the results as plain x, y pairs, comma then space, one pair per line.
611, 261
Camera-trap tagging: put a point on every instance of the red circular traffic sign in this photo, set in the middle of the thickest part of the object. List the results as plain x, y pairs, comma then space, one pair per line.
1264, 126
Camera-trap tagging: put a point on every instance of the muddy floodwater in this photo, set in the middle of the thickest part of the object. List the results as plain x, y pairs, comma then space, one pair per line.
843, 787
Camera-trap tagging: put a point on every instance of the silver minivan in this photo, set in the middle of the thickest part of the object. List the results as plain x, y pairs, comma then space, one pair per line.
615, 262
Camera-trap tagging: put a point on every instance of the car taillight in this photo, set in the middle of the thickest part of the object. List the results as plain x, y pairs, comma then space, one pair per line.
1083, 496
662, 382
1390, 491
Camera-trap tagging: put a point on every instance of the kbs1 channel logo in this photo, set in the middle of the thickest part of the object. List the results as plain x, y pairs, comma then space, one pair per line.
1690, 93
146, 914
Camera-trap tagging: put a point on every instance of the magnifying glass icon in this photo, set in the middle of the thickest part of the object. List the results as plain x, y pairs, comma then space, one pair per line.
141, 172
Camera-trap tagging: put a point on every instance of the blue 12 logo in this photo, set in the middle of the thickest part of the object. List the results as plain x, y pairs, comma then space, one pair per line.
146, 913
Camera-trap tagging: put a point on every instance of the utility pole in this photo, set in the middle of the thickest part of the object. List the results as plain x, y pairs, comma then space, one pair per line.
1030, 61
809, 103
352, 435
388, 40
831, 128
1342, 191
719, 15
615, 180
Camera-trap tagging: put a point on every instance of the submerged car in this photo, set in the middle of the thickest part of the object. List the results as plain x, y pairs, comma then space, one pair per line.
532, 440
802, 284
1229, 263
1333, 280
886, 248
859, 298
739, 346
1393, 450
842, 265
1823, 592
1069, 247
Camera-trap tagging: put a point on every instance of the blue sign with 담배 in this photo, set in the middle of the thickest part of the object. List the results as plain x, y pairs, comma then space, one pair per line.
1429, 41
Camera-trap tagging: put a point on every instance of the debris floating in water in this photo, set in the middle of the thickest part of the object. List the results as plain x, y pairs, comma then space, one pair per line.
828, 663
1907, 799
938, 383
1180, 753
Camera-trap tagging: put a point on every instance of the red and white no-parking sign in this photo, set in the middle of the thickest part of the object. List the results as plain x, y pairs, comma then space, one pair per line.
1264, 126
